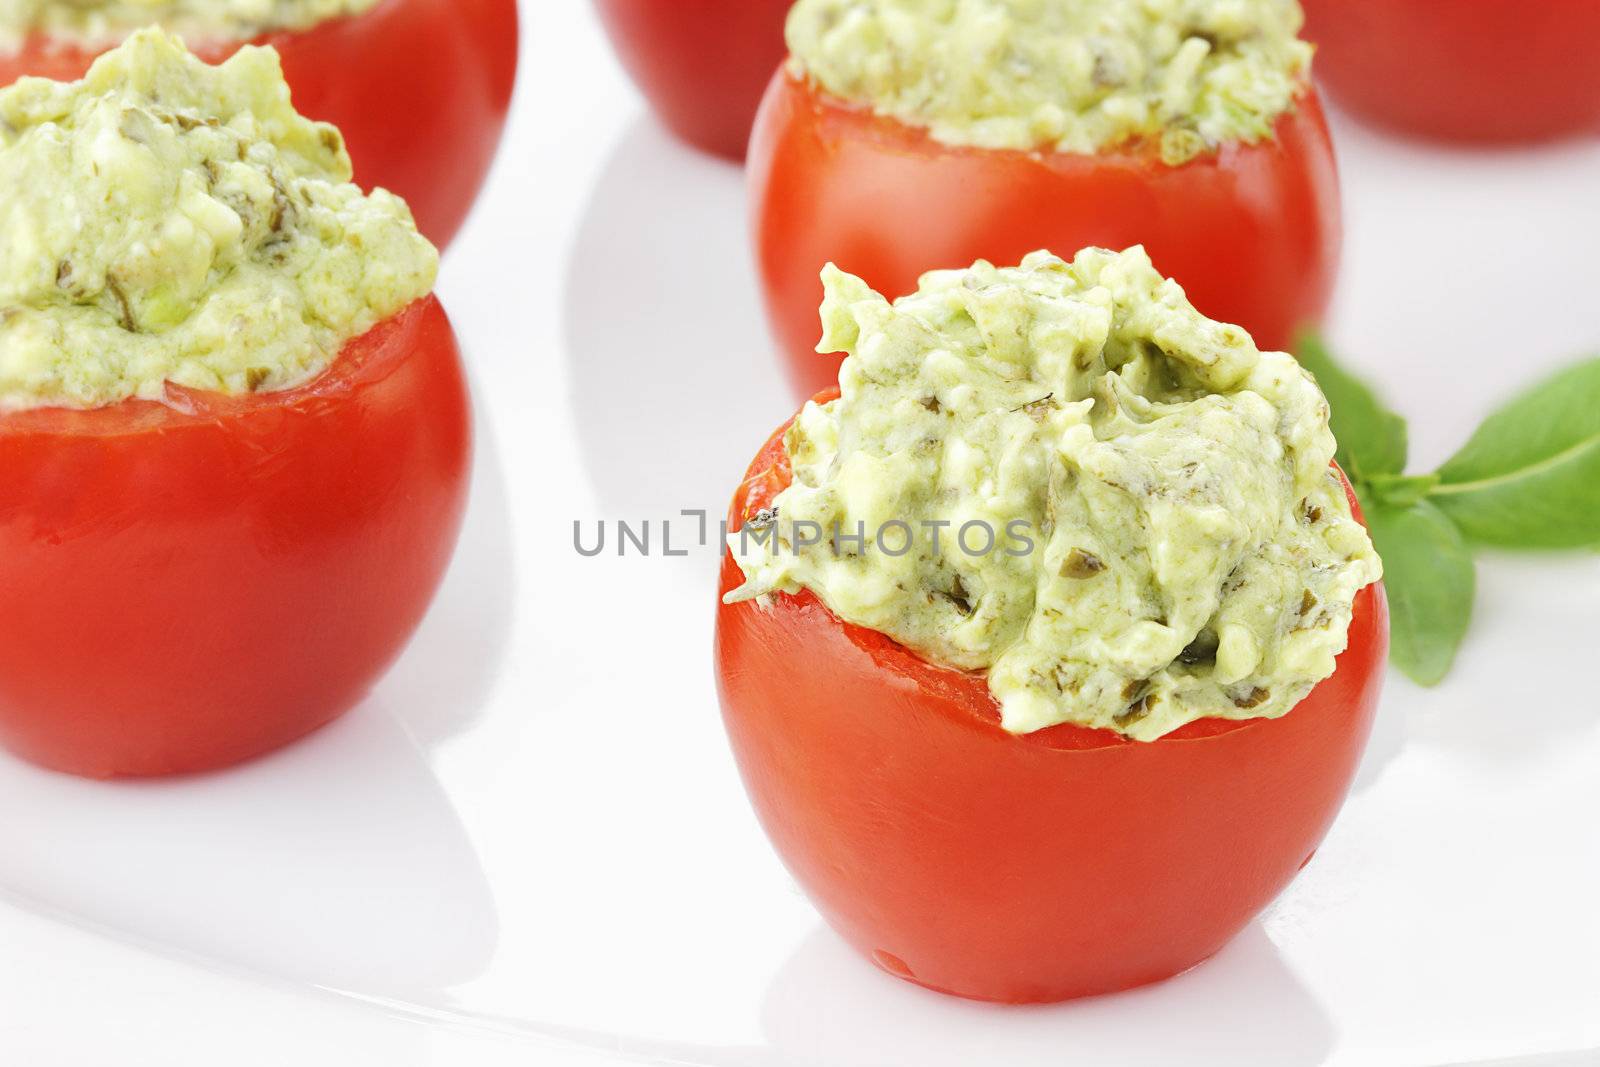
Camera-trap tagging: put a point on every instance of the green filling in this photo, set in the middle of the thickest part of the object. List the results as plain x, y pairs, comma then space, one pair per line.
1166, 540
1069, 75
166, 220
105, 22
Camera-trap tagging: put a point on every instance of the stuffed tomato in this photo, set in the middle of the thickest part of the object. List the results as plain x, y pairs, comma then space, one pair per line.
419, 88
1475, 70
235, 425
1047, 649
1004, 126
702, 65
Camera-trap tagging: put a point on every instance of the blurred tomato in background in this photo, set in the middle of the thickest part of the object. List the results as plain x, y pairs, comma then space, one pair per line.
1252, 231
702, 64
1465, 70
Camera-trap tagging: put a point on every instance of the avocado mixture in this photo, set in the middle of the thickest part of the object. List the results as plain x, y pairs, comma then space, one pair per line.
1070, 75
166, 220
102, 22
1066, 476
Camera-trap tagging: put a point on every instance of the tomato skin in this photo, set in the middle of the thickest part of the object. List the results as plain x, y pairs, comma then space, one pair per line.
1252, 232
1463, 70
702, 64
420, 89
1060, 864
185, 587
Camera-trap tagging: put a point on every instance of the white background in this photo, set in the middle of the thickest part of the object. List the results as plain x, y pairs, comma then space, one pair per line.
530, 845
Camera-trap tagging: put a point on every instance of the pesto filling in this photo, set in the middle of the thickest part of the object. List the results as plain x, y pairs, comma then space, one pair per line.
1075, 76
166, 220
1064, 475
98, 23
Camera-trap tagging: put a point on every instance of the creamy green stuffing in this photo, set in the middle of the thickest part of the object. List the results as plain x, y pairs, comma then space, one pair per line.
1070, 75
166, 220
1066, 476
103, 22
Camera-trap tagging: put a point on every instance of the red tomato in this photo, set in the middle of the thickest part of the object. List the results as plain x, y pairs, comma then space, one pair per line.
701, 63
1465, 70
1252, 232
1058, 864
420, 89
187, 585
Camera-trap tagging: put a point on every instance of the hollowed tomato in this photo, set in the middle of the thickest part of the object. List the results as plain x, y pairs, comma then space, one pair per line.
702, 64
188, 584
1469, 70
1040, 867
1252, 232
420, 89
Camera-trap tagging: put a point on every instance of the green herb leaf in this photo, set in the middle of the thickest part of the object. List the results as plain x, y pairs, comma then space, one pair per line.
1530, 476
1401, 490
1372, 439
1432, 581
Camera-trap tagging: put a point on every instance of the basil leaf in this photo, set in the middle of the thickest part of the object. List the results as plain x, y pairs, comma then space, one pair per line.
1372, 439
1432, 581
1530, 476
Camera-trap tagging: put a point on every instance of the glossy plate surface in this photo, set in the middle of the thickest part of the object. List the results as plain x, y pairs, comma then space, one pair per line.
530, 844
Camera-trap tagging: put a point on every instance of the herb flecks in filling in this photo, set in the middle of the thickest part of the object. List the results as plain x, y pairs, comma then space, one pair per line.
97, 23
1153, 559
165, 220
1070, 75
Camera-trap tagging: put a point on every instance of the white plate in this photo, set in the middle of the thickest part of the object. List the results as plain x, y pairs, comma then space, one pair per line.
531, 843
